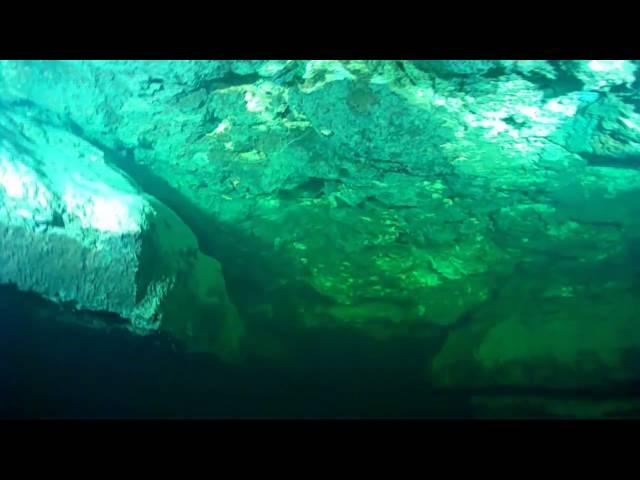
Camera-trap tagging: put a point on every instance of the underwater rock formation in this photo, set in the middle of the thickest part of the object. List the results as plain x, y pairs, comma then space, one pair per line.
400, 193
77, 231
560, 326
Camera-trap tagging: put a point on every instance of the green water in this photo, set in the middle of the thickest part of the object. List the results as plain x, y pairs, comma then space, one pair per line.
396, 239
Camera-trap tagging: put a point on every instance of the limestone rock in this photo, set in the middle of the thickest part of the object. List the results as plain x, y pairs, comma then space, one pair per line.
77, 231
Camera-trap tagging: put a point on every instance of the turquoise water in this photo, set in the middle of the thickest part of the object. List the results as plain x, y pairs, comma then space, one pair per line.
339, 239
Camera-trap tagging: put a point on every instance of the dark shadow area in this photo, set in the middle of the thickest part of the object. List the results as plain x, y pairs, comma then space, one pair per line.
19, 142
564, 82
625, 162
57, 369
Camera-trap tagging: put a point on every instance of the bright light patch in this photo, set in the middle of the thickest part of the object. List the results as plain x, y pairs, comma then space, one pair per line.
110, 211
333, 70
606, 65
11, 180
498, 126
272, 67
253, 102
531, 112
496, 115
629, 124
224, 125
24, 213
557, 107
109, 215
522, 147
20, 183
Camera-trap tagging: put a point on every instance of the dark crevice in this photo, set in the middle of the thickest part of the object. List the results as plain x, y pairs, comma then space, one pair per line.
564, 83
625, 162
231, 79
313, 187
596, 223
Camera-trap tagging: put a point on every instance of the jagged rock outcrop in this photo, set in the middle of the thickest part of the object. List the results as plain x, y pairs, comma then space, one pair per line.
77, 231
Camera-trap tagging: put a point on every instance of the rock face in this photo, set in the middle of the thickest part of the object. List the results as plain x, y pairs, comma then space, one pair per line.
494, 201
558, 327
77, 231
